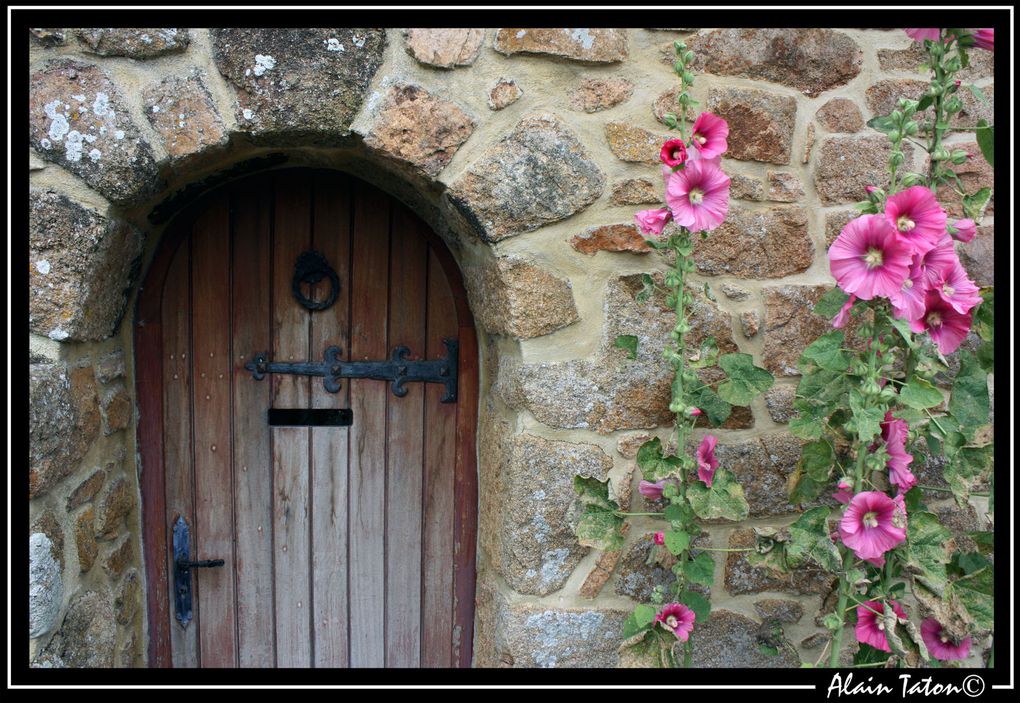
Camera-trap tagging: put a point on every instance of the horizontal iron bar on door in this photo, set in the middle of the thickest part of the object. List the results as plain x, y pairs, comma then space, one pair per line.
308, 417
397, 369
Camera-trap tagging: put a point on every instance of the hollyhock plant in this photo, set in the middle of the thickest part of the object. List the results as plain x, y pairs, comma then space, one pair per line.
940, 645
650, 490
707, 463
873, 524
867, 259
946, 327
917, 217
673, 153
843, 495
870, 627
985, 39
843, 316
908, 302
894, 432
919, 35
964, 230
678, 619
937, 262
958, 290
659, 538
653, 221
709, 135
699, 195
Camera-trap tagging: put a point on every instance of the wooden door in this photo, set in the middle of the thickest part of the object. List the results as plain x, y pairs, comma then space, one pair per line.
342, 546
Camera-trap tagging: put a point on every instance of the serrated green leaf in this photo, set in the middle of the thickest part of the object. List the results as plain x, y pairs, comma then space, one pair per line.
970, 562
810, 542
725, 499
974, 203
984, 315
817, 459
883, 123
973, 596
920, 394
677, 541
698, 603
805, 424
867, 419
708, 354
600, 530
969, 401
913, 500
985, 541
831, 302
593, 492
715, 408
925, 102
926, 550
654, 466
826, 352
745, 380
628, 342
641, 619
675, 512
985, 135
700, 569
832, 622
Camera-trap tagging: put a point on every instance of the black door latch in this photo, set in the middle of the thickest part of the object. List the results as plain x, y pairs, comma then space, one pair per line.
182, 571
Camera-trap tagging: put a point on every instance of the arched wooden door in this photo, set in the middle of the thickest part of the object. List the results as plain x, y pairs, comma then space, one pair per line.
342, 545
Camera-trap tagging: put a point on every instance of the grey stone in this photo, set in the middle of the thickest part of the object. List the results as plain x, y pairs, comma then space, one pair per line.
810, 60
732, 641
846, 165
761, 123
115, 505
840, 115
585, 45
790, 326
45, 586
298, 84
645, 565
779, 401
735, 292
742, 577
538, 549
756, 244
87, 636
762, 466
110, 367
444, 48
145, 43
537, 174
47, 36
746, 188
184, 114
516, 298
128, 598
79, 120
80, 267
785, 611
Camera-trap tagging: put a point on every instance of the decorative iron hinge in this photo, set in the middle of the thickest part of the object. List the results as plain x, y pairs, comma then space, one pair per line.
397, 369
182, 571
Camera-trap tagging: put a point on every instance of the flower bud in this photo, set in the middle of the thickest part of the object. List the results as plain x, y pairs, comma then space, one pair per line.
678, 68
693, 411
953, 64
954, 105
911, 179
660, 538
910, 129
940, 154
958, 157
688, 78
957, 83
896, 158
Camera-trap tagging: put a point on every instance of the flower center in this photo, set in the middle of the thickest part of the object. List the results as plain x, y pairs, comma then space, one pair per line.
700, 138
944, 638
948, 289
873, 258
934, 319
672, 621
870, 519
677, 155
905, 224
881, 624
696, 196
908, 283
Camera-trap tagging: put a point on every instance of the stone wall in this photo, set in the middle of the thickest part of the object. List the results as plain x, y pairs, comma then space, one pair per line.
528, 151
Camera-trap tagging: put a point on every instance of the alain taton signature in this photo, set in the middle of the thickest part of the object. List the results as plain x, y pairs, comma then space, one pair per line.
844, 685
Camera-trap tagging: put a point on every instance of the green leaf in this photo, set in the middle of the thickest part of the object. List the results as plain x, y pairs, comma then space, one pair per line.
970, 562
826, 352
725, 499
675, 512
700, 569
594, 493
647, 284
973, 596
913, 500
925, 102
811, 476
809, 541
867, 419
978, 94
883, 123
806, 423
677, 541
986, 140
715, 408
708, 355
628, 342
698, 603
831, 302
599, 526
745, 379
641, 619
926, 552
653, 464
920, 394
985, 541
903, 327
973, 204
984, 315
969, 400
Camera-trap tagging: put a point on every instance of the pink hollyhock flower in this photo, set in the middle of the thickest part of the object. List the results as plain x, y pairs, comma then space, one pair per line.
908, 301
868, 259
844, 493
651, 491
709, 135
921, 35
695, 155
917, 216
678, 619
673, 153
940, 645
871, 626
985, 39
707, 463
699, 195
937, 262
894, 432
966, 230
694, 412
872, 524
659, 537
843, 316
945, 325
653, 221
958, 290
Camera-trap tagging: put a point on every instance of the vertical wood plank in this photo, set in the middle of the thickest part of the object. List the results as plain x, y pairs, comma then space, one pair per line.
332, 237
465, 516
211, 380
253, 466
177, 437
291, 530
369, 303
439, 470
404, 439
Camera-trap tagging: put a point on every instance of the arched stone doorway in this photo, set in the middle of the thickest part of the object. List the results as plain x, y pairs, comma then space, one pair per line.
342, 545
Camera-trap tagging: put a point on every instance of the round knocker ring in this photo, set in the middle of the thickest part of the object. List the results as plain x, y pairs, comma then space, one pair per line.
311, 267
